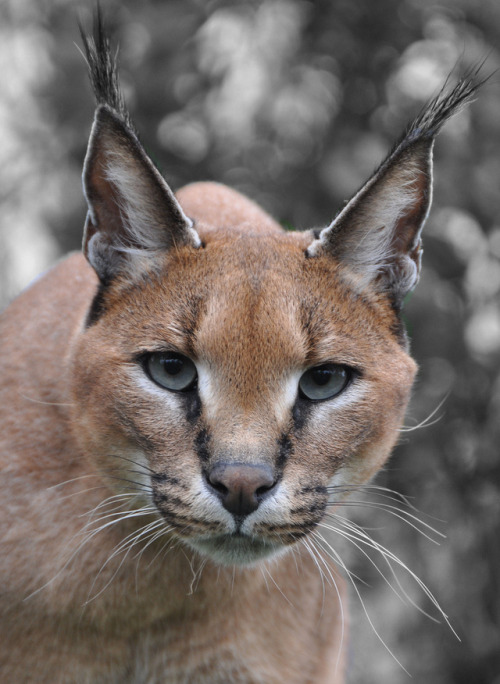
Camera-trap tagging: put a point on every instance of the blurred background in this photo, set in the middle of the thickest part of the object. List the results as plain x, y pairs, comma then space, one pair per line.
295, 103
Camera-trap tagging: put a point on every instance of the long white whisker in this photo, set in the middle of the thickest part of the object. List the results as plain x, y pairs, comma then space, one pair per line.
427, 421
127, 544
267, 571
81, 545
330, 551
382, 492
73, 479
359, 535
261, 568
341, 605
403, 515
116, 500
351, 538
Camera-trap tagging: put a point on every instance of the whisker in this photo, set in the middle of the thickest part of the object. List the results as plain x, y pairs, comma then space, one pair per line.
117, 500
401, 514
425, 422
196, 576
120, 516
167, 546
267, 571
372, 544
163, 531
82, 491
45, 403
330, 551
88, 537
140, 485
382, 492
128, 543
73, 479
341, 605
261, 568
137, 463
358, 534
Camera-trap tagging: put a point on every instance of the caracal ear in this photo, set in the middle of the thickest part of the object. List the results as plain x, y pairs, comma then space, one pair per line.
131, 209
377, 236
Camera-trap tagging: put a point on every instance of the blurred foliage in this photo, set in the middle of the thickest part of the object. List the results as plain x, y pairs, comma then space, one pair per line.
294, 103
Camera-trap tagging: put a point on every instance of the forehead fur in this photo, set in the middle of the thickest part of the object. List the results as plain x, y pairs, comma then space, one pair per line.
248, 293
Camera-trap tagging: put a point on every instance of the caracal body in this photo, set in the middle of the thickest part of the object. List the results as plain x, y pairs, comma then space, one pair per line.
181, 408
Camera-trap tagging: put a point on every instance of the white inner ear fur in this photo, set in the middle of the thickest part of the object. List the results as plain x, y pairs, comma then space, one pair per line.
368, 245
139, 211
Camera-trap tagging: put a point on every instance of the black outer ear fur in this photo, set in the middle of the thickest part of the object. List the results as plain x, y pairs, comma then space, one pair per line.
132, 210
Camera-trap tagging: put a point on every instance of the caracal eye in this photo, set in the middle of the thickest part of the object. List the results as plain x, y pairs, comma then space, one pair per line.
173, 371
324, 382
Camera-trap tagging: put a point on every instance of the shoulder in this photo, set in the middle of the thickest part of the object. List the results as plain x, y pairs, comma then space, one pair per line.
53, 304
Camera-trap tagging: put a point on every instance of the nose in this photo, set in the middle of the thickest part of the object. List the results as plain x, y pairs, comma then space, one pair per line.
241, 486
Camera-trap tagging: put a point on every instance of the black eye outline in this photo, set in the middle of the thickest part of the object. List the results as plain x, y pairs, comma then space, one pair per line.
183, 375
324, 382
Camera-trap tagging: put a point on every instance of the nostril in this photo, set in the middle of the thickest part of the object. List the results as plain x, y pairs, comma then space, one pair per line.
218, 486
265, 489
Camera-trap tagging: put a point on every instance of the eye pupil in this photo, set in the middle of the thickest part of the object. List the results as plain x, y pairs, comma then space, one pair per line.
320, 376
172, 366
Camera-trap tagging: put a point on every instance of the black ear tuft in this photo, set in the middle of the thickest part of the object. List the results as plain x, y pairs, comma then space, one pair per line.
103, 69
441, 108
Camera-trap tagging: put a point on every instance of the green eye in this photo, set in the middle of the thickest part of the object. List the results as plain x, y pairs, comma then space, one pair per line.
172, 371
324, 382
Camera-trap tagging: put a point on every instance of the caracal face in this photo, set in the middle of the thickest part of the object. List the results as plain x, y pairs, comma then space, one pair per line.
251, 314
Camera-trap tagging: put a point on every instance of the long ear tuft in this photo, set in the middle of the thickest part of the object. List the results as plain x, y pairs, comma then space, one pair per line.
377, 236
103, 69
132, 212
446, 104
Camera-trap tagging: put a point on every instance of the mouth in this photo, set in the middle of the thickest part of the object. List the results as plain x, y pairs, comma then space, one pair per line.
235, 549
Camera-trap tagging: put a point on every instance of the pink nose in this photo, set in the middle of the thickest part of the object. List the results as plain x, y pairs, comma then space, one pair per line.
241, 486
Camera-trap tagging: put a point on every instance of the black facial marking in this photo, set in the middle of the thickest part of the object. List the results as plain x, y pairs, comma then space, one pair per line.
97, 308
201, 445
174, 502
192, 405
316, 489
285, 451
300, 413
178, 519
163, 478
309, 510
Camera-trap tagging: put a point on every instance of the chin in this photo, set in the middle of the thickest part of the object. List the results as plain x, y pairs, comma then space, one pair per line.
236, 549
